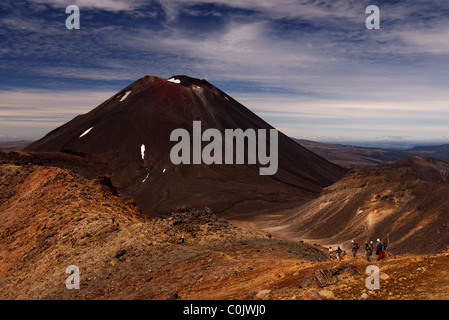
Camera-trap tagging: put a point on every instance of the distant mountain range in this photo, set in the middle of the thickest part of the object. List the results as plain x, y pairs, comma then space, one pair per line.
353, 157
14, 145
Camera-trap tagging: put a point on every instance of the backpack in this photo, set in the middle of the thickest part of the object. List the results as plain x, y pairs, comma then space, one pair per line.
379, 247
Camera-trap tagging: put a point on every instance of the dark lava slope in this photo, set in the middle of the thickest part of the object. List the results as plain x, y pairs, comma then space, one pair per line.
130, 134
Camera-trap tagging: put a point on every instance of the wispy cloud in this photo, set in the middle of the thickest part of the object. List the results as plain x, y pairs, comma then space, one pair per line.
108, 5
30, 113
309, 64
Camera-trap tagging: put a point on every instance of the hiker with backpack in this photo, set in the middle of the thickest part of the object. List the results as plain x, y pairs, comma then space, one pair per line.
355, 248
338, 253
331, 253
369, 250
380, 250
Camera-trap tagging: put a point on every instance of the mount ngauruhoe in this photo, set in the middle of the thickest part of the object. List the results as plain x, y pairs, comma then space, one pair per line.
128, 138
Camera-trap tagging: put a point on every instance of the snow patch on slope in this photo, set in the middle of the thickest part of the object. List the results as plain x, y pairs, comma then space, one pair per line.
86, 132
125, 95
177, 81
142, 151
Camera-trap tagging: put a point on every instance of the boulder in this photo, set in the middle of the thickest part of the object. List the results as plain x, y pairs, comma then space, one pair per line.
325, 277
261, 295
120, 253
174, 296
364, 296
326, 295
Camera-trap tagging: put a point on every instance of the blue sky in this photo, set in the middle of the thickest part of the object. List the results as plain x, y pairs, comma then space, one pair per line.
310, 68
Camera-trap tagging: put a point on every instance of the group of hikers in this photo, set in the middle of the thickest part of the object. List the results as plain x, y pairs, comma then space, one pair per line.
380, 248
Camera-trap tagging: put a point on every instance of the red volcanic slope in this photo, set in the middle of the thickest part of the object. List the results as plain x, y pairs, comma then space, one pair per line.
146, 112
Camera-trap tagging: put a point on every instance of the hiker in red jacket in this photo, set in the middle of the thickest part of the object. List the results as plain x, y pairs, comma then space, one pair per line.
380, 250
